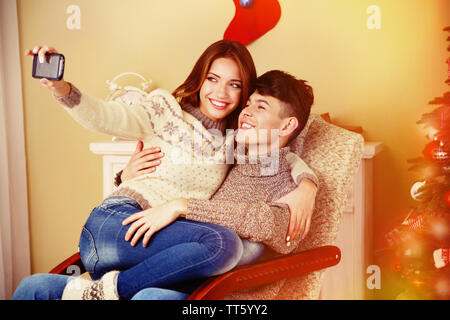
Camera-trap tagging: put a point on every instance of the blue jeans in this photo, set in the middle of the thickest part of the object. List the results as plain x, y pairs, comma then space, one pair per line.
159, 294
51, 286
176, 255
41, 286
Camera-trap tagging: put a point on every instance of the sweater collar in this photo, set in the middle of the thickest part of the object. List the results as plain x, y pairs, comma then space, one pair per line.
263, 165
206, 122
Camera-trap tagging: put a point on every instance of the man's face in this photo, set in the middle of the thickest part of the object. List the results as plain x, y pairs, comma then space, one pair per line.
259, 121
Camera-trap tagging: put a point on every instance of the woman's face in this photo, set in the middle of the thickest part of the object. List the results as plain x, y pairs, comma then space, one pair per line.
221, 91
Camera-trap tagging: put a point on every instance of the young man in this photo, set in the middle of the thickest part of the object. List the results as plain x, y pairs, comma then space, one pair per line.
275, 114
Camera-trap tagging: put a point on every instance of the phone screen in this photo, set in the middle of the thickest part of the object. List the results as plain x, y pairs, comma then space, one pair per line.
52, 68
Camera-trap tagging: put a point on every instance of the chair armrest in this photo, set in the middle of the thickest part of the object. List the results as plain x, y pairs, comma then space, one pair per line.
71, 266
268, 271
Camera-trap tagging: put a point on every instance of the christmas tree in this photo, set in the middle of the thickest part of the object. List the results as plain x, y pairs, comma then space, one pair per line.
418, 249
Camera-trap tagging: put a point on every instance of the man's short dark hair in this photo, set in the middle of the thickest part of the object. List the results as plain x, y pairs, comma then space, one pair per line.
297, 96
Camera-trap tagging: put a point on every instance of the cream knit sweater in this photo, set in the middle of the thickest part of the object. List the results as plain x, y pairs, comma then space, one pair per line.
195, 161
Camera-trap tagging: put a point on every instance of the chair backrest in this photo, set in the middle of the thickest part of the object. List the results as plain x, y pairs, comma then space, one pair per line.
334, 154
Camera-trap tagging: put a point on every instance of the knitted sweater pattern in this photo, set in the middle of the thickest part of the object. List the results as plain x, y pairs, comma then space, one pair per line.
193, 165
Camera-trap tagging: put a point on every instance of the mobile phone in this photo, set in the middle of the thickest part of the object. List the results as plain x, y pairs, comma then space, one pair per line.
52, 68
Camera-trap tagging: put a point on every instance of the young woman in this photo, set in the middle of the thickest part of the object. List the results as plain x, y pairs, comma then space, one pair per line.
210, 98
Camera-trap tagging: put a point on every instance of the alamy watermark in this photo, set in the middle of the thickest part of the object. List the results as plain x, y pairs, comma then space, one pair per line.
374, 279
73, 22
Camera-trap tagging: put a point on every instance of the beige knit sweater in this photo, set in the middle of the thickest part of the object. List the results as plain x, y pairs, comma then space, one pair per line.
195, 162
334, 154
245, 203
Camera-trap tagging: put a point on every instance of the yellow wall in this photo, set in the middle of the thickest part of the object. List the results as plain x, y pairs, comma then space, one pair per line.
379, 79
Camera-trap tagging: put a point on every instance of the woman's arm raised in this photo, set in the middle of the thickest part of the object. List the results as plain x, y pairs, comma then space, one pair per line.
107, 117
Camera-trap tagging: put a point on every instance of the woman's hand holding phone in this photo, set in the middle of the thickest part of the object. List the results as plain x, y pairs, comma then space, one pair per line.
59, 88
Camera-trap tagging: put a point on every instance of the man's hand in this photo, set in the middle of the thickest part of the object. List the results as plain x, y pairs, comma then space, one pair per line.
301, 204
147, 222
142, 161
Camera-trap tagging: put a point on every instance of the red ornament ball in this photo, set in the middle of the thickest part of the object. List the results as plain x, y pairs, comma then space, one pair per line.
447, 198
436, 152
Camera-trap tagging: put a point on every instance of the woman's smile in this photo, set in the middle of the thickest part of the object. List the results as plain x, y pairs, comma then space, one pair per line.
218, 104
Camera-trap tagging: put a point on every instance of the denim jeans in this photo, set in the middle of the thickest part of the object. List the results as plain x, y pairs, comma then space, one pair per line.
51, 286
41, 286
184, 250
174, 263
159, 294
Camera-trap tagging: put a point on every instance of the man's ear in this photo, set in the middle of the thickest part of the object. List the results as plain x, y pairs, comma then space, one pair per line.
288, 126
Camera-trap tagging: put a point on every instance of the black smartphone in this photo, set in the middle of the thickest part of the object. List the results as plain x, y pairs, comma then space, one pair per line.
52, 68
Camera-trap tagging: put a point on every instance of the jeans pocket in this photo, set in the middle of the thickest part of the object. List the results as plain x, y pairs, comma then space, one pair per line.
88, 252
119, 204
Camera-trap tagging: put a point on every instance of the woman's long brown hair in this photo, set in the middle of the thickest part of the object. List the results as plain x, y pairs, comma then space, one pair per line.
188, 92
